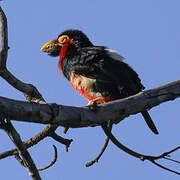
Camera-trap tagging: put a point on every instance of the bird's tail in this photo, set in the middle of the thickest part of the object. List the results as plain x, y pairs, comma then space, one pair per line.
149, 122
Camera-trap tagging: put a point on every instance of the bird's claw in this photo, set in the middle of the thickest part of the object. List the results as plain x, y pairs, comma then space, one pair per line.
93, 106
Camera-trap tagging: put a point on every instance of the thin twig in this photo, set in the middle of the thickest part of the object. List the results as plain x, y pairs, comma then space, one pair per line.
18, 158
88, 164
165, 168
65, 130
58, 138
121, 146
102, 150
172, 160
52, 162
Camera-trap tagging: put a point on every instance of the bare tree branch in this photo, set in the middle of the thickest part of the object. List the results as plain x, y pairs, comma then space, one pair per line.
141, 156
165, 168
170, 159
81, 116
18, 158
96, 159
52, 162
58, 138
16, 139
6, 125
31, 93
4, 40
36, 139
103, 148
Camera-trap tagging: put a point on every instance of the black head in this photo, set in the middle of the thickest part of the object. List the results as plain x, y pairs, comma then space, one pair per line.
81, 40
74, 38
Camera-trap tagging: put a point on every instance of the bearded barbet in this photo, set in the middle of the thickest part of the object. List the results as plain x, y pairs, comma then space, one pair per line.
99, 74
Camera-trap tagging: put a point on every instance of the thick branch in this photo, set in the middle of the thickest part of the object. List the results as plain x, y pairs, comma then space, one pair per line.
81, 116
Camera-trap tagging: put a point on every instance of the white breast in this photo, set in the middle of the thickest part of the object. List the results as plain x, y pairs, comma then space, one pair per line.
84, 86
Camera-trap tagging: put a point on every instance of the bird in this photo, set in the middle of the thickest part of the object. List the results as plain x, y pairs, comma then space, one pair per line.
98, 73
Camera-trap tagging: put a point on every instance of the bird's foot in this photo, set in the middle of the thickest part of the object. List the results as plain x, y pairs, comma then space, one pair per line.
93, 106
96, 100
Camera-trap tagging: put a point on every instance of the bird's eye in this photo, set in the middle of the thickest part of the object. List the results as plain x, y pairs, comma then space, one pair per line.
62, 39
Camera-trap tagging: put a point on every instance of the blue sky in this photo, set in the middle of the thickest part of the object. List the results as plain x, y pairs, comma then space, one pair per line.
145, 32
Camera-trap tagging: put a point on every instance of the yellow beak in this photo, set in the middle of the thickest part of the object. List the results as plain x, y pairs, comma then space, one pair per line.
49, 45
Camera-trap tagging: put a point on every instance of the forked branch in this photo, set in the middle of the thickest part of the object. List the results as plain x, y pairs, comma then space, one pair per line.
142, 157
6, 125
32, 95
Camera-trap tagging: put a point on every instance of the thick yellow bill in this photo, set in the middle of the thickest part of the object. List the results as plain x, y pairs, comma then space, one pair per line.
48, 45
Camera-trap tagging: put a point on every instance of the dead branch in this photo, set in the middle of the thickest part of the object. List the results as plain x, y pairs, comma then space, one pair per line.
6, 125
31, 93
58, 138
18, 158
141, 156
103, 148
96, 159
16, 139
36, 139
52, 162
4, 41
81, 116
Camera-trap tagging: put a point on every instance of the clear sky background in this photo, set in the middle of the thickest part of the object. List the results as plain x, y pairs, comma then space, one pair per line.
145, 32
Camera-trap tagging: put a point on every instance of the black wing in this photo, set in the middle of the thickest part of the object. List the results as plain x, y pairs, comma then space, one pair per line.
113, 76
